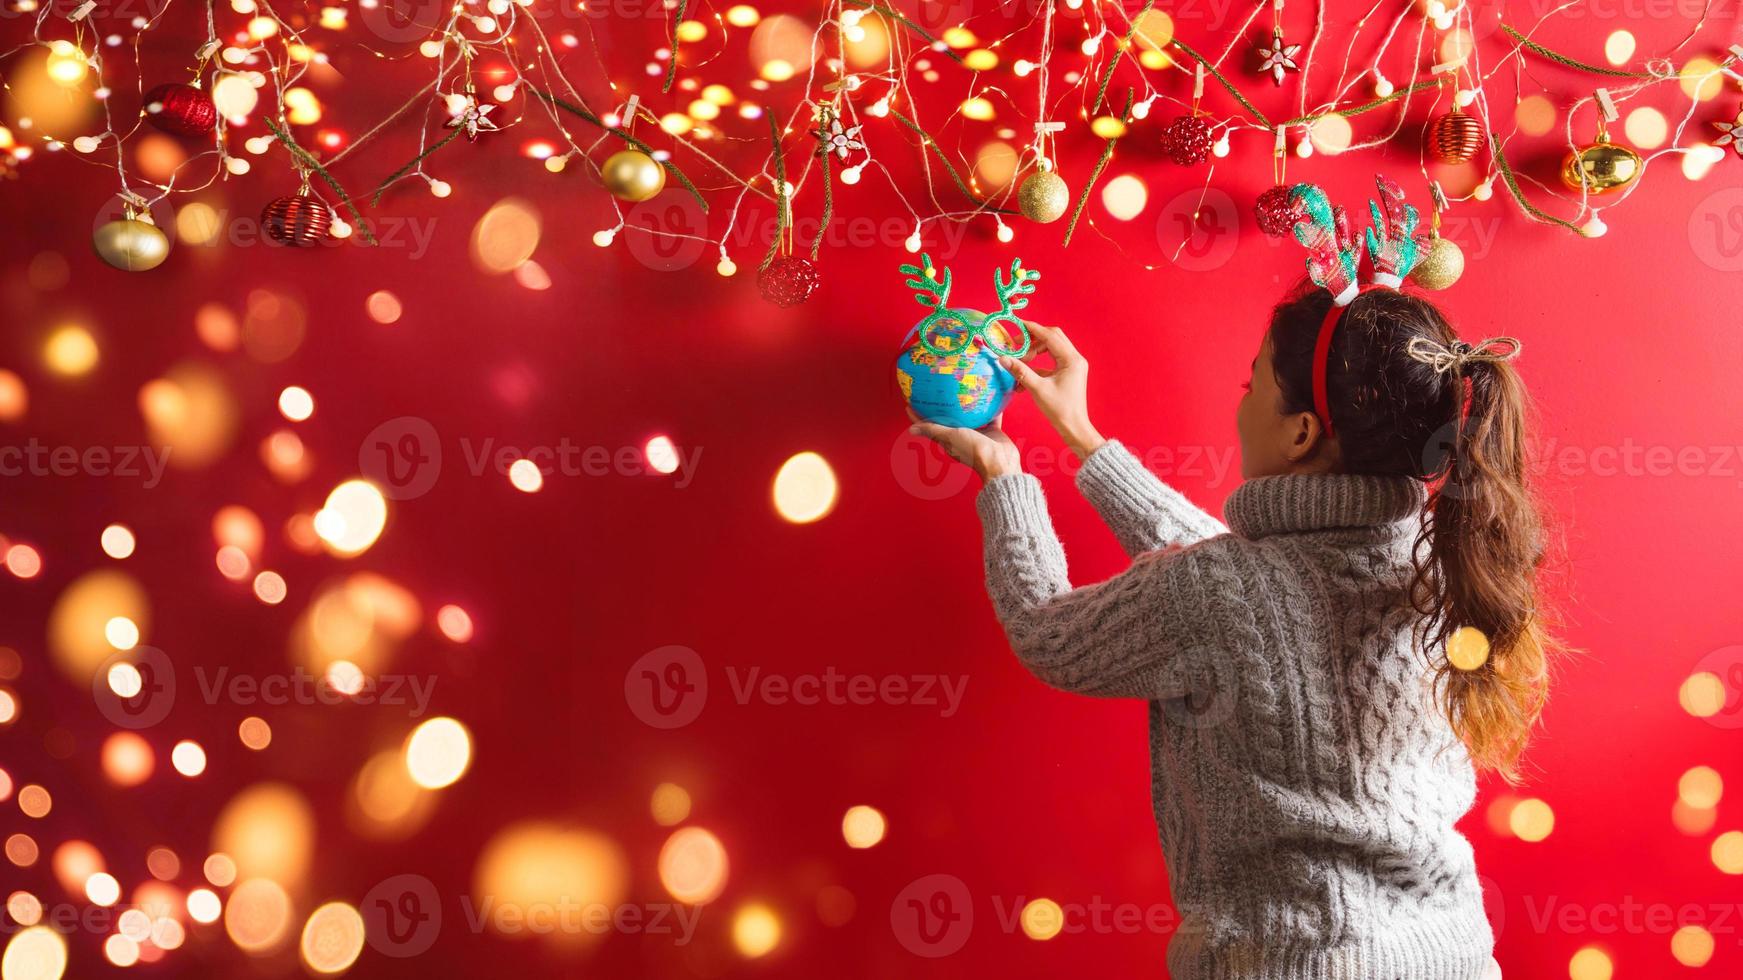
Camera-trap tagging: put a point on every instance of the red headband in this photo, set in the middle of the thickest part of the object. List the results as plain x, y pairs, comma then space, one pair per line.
1322, 356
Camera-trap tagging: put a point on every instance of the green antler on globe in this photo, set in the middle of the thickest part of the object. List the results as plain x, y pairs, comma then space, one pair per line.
950, 373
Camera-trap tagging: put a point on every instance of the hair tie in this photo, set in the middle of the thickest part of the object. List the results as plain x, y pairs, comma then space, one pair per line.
1454, 358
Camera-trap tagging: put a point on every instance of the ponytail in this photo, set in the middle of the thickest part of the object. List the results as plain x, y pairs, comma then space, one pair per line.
1477, 559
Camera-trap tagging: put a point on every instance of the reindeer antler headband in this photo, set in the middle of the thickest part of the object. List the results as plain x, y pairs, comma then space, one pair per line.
1396, 244
933, 291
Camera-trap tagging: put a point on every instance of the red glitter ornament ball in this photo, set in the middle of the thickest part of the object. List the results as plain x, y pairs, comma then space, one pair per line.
1187, 140
298, 220
1275, 213
788, 281
181, 109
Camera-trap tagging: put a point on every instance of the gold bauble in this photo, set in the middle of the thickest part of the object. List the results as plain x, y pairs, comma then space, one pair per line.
1441, 267
1043, 196
631, 175
1602, 167
131, 245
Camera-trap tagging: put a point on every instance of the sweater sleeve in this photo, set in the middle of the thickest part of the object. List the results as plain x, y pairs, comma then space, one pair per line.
1143, 512
1100, 639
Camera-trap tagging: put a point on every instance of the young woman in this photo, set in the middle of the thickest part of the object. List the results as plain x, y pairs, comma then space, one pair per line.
1312, 744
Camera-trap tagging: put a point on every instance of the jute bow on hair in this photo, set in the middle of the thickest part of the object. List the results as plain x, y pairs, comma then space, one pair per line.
1454, 358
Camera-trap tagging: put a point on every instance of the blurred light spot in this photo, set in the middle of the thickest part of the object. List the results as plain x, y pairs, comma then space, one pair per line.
693, 865
742, 15
296, 404
438, 752
525, 476
332, 938
135, 925
1691, 820
238, 527
102, 889
980, 59
217, 327
1107, 127
197, 223
167, 933
117, 541
1331, 134
1619, 47
383, 307
454, 623
25, 908
234, 95
158, 156
532, 864
835, 905
385, 804
258, 915
203, 905
283, 454
780, 46
1154, 29
345, 677
21, 850
120, 950
1699, 159
14, 397
1702, 695
1590, 963
304, 108
1728, 852
1701, 787
1456, 46
70, 351
1692, 946
188, 758
163, 864
862, 826
756, 930
23, 561
505, 236
127, 759
996, 164
352, 518
8, 707
36, 953
254, 733
1535, 115
805, 488
1124, 197
1467, 648
531, 275
273, 326
1647, 128
268, 830
219, 869
1042, 919
35, 801
269, 588
121, 632
661, 454
233, 563
869, 45
1701, 78
190, 413
670, 804
1531, 820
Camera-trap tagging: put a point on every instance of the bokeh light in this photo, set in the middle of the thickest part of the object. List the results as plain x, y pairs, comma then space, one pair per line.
805, 488
258, 915
268, 830
438, 752
352, 518
756, 930
863, 826
669, 805
693, 865
332, 938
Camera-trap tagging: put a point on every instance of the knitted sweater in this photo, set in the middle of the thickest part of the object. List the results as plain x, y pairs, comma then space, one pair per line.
1305, 785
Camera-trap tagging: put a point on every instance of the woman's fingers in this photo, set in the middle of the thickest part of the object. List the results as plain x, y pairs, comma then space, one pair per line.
1027, 376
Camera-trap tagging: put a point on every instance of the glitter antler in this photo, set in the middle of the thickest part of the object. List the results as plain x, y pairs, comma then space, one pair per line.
1394, 243
933, 291
1332, 253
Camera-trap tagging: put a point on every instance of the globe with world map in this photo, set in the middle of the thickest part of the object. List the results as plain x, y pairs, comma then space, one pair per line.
966, 388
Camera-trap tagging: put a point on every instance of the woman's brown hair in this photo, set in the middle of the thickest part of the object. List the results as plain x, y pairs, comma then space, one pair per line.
1463, 432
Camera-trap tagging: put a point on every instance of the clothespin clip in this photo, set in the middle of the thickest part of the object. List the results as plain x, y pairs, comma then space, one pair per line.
1606, 105
82, 11
1434, 191
632, 107
1197, 82
1447, 66
1282, 142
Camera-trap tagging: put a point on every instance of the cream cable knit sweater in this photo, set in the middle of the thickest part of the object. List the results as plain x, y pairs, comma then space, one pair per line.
1305, 785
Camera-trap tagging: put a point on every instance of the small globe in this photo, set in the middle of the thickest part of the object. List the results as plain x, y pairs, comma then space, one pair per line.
966, 389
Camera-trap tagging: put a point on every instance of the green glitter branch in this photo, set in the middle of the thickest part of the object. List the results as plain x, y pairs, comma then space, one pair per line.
303, 157
1107, 153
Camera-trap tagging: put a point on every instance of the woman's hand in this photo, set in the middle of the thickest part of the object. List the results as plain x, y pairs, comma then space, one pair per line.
1062, 391
987, 450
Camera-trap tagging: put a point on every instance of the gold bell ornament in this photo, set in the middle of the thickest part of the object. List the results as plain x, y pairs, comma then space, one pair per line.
132, 243
1601, 168
1043, 196
631, 175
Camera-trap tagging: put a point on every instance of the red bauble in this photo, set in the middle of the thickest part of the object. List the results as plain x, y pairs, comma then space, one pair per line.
1455, 137
1187, 140
1275, 213
298, 221
788, 281
181, 109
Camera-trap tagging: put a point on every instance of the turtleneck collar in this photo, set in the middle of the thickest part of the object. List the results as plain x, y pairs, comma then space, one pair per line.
1298, 503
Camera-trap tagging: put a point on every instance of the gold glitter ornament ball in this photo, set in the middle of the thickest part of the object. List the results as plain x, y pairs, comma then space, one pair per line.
131, 245
1441, 267
631, 175
1043, 197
